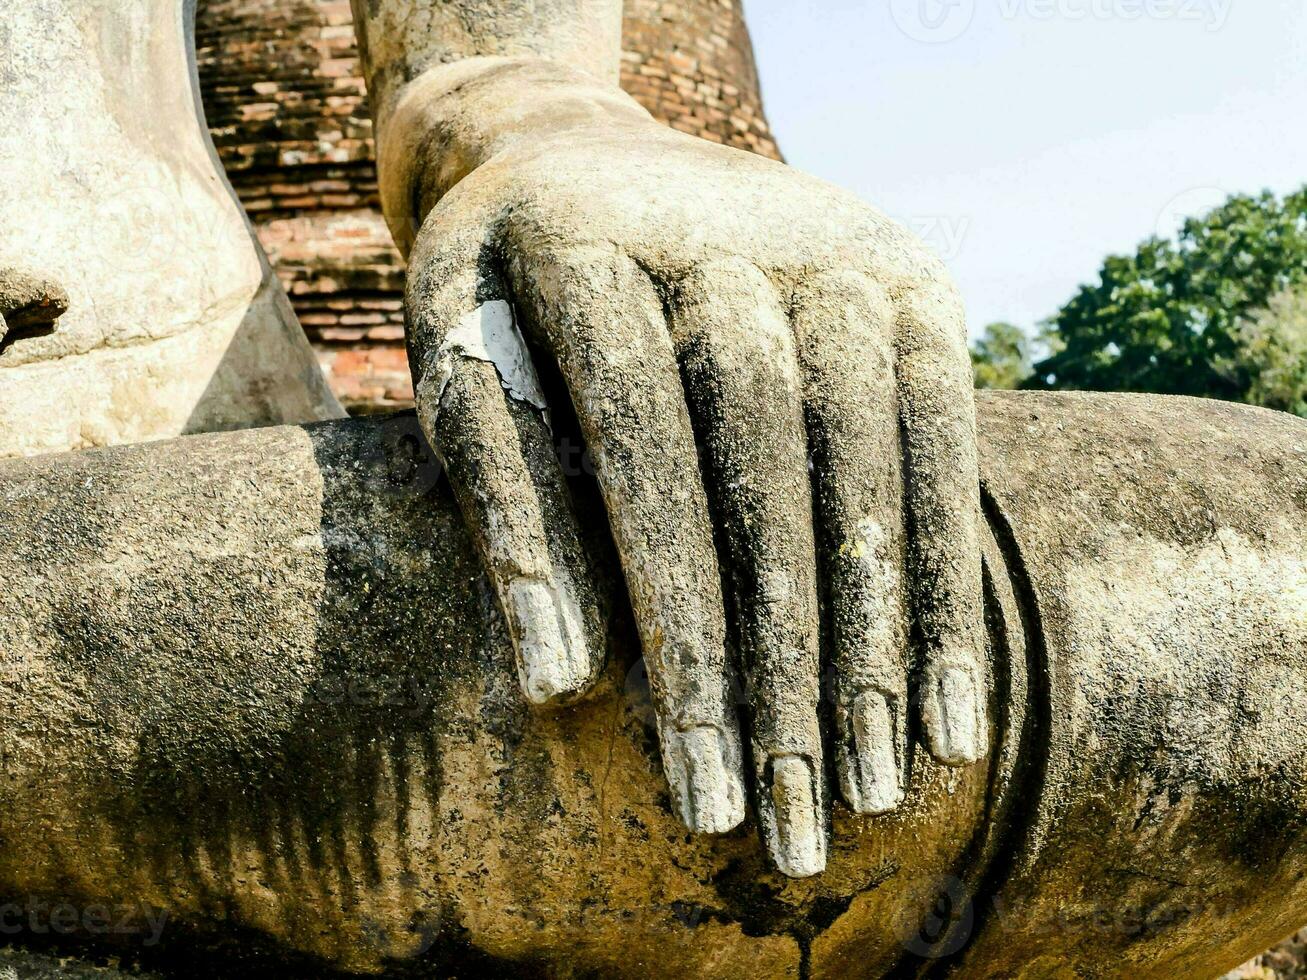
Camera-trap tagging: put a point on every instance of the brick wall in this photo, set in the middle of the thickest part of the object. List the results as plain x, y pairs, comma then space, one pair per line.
690, 63
287, 106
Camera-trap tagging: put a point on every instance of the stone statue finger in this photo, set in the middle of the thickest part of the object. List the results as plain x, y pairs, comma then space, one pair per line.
937, 412
481, 406
600, 316
742, 383
844, 323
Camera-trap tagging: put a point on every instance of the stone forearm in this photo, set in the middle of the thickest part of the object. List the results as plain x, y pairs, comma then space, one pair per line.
454, 118
436, 116
399, 40
109, 189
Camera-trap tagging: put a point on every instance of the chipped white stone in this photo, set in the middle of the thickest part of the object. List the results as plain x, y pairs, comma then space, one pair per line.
490, 333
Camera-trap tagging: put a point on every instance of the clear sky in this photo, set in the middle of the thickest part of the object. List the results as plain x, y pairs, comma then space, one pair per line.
1026, 139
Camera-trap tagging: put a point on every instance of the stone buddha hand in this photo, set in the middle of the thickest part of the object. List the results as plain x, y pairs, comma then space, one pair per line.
764, 369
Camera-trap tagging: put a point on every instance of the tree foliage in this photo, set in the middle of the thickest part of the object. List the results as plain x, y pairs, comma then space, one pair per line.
1271, 353
1003, 356
1182, 317
1000, 357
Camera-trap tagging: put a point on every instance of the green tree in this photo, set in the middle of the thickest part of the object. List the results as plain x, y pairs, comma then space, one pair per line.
1003, 355
1000, 357
1270, 359
1174, 317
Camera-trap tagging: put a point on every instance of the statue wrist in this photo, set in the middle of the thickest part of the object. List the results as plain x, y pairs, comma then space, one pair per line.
454, 118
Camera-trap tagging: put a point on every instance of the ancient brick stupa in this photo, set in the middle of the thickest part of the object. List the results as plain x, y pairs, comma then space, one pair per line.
286, 103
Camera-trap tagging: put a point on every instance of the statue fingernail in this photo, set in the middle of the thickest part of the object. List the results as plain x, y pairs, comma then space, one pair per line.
552, 657
873, 777
799, 844
704, 770
956, 729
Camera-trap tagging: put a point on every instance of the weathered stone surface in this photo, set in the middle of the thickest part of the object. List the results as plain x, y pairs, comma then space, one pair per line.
1186, 788
258, 680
